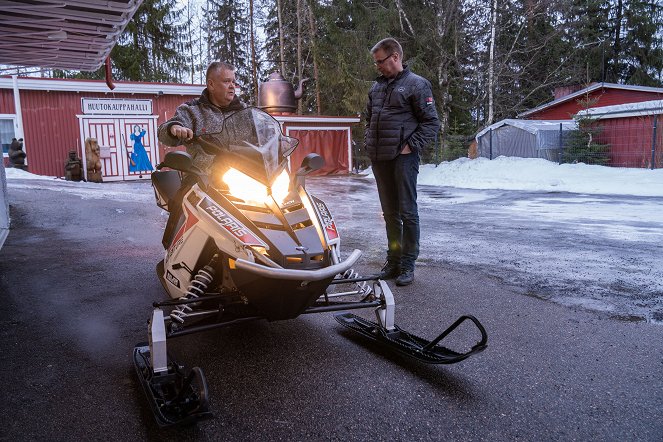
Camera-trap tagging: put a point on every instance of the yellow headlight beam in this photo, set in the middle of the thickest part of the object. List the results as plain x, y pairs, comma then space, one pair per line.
280, 187
253, 192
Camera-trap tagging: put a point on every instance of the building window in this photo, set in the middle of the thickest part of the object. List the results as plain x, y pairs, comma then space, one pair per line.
6, 133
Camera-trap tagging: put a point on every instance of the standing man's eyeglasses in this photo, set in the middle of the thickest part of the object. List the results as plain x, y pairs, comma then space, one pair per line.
379, 62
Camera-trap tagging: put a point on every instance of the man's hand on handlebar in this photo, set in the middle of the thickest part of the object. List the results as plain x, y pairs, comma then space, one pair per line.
181, 133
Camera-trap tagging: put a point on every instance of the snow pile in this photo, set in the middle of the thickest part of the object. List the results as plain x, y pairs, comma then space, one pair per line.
535, 174
22, 174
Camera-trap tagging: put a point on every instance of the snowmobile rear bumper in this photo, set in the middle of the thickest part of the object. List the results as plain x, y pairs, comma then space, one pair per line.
413, 346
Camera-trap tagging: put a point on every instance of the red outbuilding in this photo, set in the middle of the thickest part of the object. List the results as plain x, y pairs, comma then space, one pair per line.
634, 132
56, 116
597, 95
627, 118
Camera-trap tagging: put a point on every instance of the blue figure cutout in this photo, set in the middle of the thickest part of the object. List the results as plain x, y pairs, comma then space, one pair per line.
138, 160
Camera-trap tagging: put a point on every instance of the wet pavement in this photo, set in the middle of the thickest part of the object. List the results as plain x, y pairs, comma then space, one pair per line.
599, 252
551, 276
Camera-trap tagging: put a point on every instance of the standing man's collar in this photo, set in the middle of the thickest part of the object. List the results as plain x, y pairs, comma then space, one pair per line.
401, 74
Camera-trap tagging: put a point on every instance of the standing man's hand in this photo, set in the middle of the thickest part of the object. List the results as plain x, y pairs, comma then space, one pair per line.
181, 133
406, 150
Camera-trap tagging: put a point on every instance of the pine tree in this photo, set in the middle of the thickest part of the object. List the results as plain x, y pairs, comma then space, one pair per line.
583, 145
154, 45
228, 33
641, 57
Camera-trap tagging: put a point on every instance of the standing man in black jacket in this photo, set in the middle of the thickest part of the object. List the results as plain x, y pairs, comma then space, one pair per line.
400, 122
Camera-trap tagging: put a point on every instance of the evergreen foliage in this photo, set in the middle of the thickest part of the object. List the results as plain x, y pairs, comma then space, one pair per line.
539, 45
582, 145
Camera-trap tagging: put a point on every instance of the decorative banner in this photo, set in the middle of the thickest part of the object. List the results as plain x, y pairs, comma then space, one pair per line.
113, 106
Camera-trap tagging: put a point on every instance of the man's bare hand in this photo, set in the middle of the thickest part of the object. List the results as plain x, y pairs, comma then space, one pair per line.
181, 133
406, 150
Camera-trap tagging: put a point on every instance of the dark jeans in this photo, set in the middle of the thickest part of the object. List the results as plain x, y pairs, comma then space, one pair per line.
397, 187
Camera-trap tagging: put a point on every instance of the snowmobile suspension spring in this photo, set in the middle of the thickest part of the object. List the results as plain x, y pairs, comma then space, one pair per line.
363, 286
197, 288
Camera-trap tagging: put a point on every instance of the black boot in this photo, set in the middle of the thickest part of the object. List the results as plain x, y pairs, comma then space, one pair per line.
390, 270
406, 277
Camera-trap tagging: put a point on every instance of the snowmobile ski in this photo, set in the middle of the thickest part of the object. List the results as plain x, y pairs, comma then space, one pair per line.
175, 398
413, 346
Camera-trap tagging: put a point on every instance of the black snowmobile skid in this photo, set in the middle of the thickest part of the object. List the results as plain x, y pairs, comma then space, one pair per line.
393, 337
176, 398
410, 345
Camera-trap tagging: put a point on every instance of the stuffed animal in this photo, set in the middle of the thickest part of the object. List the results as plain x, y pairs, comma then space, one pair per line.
93, 160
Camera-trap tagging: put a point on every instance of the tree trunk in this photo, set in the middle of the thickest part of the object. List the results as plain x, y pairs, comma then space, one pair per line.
312, 33
617, 46
281, 40
190, 32
299, 50
402, 16
491, 64
254, 70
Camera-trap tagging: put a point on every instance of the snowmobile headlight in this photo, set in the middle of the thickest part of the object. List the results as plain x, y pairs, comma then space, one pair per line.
253, 192
280, 187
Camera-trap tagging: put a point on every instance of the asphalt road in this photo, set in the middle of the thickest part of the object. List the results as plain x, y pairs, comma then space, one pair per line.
77, 282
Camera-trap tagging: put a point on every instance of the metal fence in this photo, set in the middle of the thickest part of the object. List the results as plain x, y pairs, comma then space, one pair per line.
619, 142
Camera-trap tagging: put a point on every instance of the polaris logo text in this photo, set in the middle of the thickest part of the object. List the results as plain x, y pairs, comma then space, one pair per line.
226, 221
229, 223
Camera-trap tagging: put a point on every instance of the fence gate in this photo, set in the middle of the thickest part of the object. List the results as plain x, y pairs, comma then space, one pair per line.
128, 145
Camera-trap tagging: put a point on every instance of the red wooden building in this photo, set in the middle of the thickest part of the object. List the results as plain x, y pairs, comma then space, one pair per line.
599, 94
634, 132
625, 115
55, 116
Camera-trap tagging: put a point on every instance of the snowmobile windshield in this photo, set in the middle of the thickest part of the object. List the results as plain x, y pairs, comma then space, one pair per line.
252, 142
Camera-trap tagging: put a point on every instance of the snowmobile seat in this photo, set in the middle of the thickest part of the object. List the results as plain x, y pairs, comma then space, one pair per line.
166, 184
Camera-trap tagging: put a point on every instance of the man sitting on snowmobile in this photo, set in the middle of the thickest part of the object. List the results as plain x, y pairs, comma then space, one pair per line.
204, 114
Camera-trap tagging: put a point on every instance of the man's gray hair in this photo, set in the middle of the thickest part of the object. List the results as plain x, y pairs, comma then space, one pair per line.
389, 46
217, 66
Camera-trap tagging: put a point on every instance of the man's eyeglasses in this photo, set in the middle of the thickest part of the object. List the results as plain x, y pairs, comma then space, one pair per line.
379, 62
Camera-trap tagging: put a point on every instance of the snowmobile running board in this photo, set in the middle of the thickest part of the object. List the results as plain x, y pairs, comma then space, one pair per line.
411, 345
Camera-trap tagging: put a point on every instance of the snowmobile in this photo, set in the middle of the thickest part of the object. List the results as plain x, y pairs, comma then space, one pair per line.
248, 242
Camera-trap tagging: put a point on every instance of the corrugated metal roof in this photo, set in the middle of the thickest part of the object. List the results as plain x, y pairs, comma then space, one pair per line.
122, 87
531, 126
653, 107
62, 34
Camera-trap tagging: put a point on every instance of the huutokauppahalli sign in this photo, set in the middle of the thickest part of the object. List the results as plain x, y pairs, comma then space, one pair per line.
113, 106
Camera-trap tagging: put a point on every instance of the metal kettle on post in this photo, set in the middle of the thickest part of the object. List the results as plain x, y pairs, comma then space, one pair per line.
278, 95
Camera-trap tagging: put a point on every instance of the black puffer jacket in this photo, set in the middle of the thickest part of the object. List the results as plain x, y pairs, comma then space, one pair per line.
399, 112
